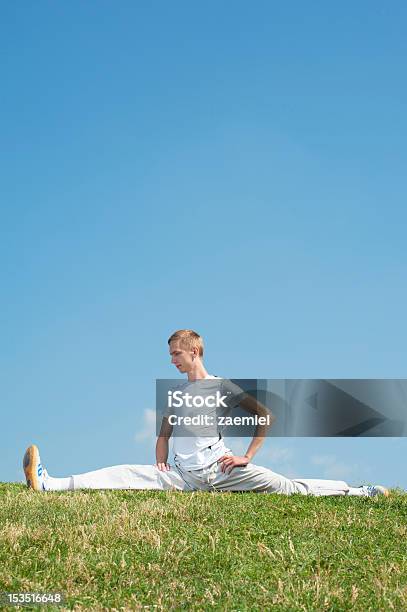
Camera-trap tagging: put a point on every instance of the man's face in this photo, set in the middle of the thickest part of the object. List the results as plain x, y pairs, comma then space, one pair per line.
181, 358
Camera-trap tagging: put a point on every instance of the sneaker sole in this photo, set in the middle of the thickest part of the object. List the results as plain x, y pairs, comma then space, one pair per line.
30, 463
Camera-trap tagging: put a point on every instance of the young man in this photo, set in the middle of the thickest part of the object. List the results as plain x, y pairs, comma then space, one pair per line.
201, 462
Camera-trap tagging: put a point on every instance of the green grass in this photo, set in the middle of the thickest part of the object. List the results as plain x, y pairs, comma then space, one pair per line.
171, 551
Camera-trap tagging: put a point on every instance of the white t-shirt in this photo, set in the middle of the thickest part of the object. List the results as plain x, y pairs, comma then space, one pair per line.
194, 451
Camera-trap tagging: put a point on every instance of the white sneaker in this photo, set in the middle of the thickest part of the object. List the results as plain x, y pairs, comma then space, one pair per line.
374, 490
35, 473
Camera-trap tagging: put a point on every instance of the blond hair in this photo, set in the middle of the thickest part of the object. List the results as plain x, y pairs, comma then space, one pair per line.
189, 339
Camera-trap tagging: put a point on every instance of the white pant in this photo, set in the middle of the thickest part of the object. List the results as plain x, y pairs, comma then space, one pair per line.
248, 478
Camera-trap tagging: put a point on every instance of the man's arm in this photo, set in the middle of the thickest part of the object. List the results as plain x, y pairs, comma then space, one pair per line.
249, 403
161, 447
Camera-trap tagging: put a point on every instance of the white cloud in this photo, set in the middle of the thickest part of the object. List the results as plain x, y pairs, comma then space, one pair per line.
332, 467
278, 459
279, 454
148, 427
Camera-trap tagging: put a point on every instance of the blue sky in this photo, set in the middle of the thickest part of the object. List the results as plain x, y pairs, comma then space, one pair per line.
236, 169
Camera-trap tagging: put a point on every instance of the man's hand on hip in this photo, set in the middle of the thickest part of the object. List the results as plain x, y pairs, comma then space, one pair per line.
228, 462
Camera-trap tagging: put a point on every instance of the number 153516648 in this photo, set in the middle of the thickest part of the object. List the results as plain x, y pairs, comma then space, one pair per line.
26, 599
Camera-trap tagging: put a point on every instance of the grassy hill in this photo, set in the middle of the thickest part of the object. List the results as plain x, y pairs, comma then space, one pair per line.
163, 551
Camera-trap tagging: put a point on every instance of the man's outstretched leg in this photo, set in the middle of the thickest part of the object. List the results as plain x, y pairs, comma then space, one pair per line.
146, 477
260, 479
